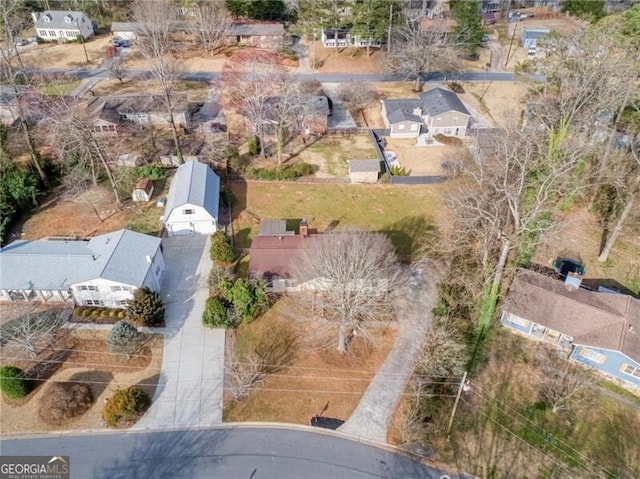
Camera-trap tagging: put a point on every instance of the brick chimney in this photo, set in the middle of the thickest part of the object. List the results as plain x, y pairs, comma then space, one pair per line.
304, 228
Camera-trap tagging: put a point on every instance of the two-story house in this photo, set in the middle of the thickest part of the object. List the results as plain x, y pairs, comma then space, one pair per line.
437, 111
62, 25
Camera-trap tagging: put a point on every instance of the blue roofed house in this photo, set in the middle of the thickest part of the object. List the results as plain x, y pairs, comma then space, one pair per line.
596, 329
437, 111
193, 201
62, 25
102, 271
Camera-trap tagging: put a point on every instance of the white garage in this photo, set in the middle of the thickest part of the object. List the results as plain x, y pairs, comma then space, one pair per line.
193, 201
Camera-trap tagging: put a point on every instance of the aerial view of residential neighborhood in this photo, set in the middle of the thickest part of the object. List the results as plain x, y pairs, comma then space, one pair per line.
320, 239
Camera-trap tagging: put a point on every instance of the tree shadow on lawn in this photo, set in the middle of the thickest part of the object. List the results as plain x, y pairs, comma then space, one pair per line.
413, 235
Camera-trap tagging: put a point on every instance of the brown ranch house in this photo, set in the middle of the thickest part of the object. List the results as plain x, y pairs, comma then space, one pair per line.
270, 36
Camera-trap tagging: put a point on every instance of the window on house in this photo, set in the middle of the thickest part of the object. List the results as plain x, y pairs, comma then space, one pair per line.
119, 288
158, 271
123, 302
188, 211
455, 118
447, 131
52, 33
87, 288
42, 33
512, 318
92, 302
631, 370
414, 127
592, 355
401, 127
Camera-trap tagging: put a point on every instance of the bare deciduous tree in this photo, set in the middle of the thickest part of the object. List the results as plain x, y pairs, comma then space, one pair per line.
155, 19
359, 96
563, 382
629, 173
32, 334
259, 87
416, 51
115, 65
504, 201
346, 277
78, 145
12, 24
210, 25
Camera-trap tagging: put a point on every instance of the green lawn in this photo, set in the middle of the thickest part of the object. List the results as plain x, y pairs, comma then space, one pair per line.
337, 151
59, 87
409, 215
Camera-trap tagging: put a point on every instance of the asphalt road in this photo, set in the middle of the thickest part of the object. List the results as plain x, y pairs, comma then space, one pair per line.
224, 452
204, 76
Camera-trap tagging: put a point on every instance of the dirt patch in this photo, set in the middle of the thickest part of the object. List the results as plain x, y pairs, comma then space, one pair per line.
68, 55
579, 235
421, 160
330, 155
319, 381
499, 102
88, 361
91, 213
347, 60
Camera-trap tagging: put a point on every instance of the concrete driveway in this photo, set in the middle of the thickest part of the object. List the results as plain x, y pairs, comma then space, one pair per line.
189, 392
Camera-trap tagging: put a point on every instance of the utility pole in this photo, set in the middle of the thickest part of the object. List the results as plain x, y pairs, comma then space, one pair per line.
506, 61
455, 405
84, 47
389, 30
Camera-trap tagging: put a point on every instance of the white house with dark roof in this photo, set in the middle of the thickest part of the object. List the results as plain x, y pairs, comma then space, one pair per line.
193, 201
62, 25
437, 111
364, 171
102, 271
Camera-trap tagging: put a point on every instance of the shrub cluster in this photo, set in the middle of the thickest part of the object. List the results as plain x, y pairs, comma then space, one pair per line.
125, 406
289, 172
220, 249
90, 312
14, 383
64, 401
146, 308
124, 338
215, 314
153, 172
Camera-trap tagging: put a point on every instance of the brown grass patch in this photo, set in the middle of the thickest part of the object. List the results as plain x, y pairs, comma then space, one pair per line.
317, 377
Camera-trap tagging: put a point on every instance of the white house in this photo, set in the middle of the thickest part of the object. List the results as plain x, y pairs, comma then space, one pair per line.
193, 201
62, 25
103, 271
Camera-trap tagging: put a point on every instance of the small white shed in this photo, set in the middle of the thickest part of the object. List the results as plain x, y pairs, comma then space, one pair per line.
364, 171
143, 191
193, 201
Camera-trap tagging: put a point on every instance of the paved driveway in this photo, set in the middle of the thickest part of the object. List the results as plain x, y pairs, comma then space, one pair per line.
189, 392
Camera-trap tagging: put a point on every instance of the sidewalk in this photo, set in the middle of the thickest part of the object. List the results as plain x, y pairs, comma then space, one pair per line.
373, 414
190, 388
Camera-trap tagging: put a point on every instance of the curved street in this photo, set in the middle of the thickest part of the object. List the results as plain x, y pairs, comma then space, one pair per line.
224, 452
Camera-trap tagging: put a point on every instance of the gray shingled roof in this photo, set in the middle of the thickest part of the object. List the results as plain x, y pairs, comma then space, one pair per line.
195, 184
57, 19
242, 29
362, 166
402, 110
592, 319
118, 256
439, 101
257, 29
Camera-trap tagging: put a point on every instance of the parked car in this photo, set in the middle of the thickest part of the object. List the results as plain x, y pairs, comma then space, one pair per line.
21, 43
125, 43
